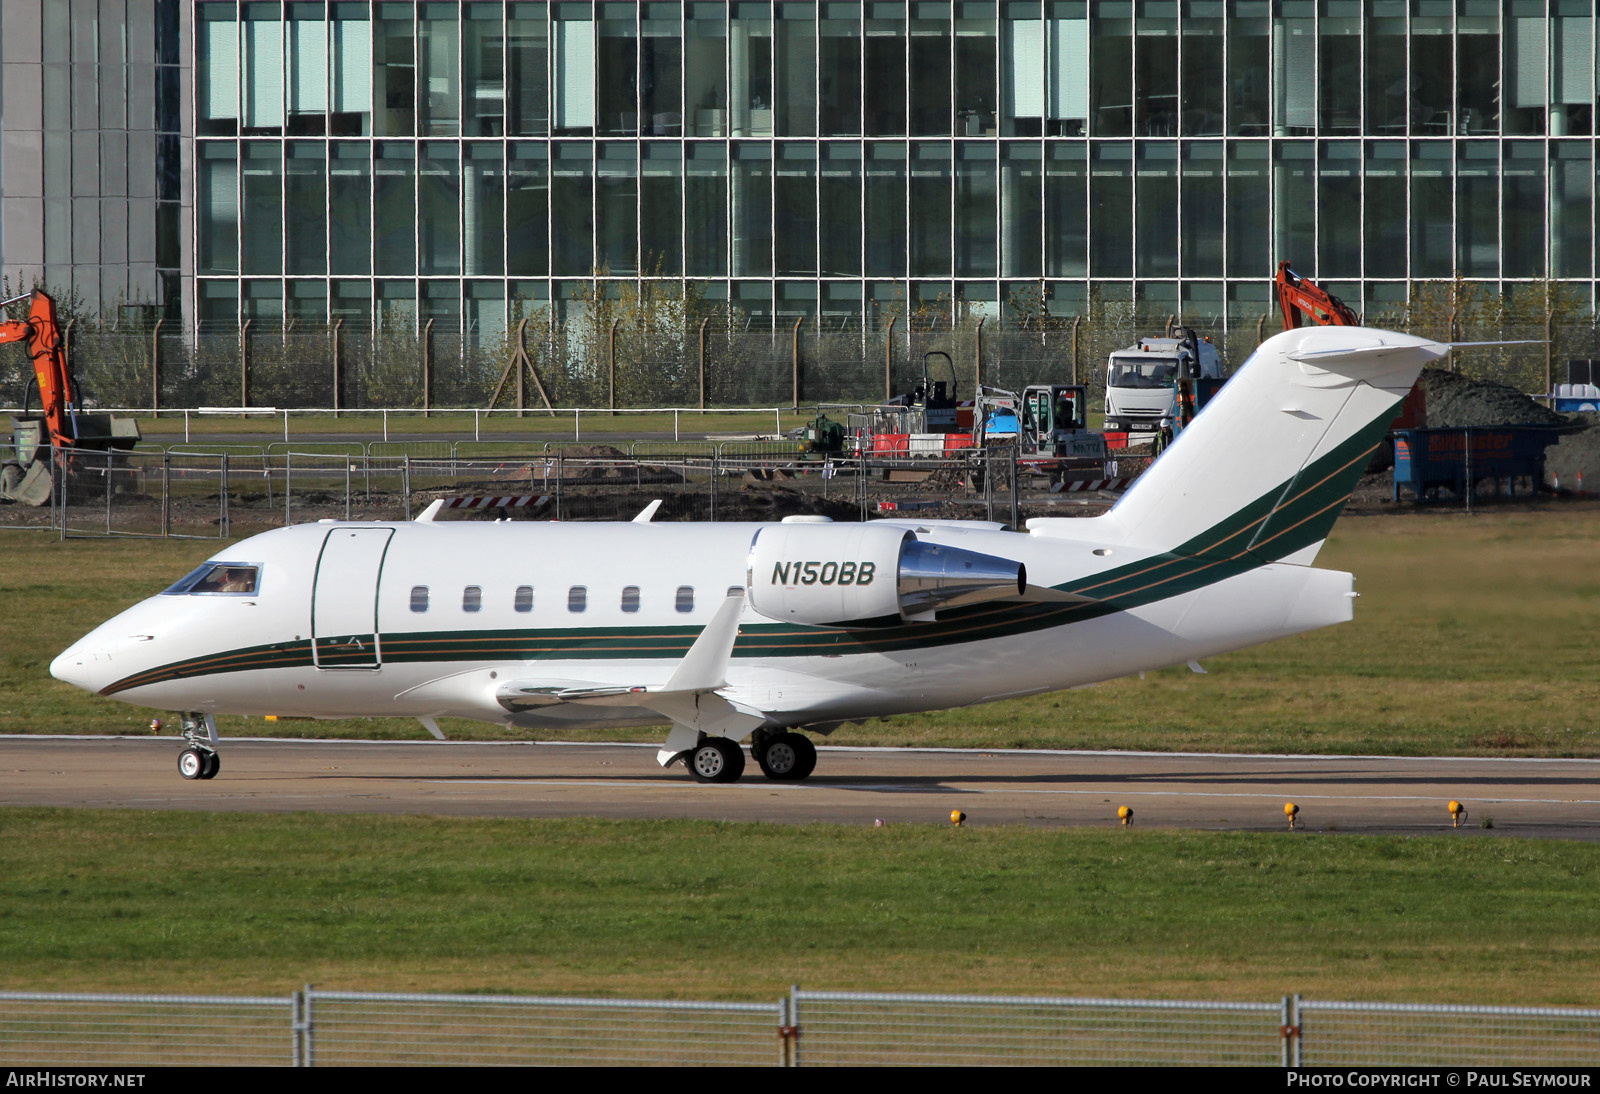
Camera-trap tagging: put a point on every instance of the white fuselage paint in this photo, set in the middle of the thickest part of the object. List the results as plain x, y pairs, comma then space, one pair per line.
1183, 567
797, 689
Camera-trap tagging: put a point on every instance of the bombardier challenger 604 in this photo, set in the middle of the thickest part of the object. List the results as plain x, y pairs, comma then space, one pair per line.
778, 631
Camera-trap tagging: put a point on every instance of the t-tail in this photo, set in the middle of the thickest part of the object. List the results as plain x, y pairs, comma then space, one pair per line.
1262, 474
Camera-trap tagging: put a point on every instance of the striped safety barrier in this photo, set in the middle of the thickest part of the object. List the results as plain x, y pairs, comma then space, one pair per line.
512, 501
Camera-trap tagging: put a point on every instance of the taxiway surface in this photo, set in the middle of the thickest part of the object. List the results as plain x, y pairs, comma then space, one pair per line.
1523, 797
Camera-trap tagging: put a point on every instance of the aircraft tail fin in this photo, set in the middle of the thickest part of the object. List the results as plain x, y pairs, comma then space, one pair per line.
1268, 465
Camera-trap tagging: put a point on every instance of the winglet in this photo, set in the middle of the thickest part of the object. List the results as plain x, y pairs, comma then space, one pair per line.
427, 515
705, 666
648, 512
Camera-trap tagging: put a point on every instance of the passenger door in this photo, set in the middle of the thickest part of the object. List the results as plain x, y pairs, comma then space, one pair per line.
344, 599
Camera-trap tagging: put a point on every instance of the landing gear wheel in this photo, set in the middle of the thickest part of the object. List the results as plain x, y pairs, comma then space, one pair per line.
192, 763
213, 765
716, 760
788, 757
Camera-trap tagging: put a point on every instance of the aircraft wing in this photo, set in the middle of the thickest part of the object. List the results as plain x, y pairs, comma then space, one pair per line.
688, 697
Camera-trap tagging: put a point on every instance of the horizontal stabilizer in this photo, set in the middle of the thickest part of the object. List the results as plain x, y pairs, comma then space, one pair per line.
1374, 353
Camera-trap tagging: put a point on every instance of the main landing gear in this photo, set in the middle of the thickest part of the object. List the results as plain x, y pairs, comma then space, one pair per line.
716, 760
199, 760
783, 757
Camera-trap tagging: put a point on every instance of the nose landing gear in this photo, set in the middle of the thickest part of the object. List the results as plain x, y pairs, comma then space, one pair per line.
199, 760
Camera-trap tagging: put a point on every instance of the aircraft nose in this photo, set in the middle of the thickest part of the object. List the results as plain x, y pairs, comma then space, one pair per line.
82, 666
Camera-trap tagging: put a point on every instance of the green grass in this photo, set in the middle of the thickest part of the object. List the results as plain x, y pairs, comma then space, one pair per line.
1473, 636
234, 903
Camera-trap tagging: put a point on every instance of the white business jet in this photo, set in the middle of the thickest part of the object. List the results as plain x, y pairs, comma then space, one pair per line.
759, 631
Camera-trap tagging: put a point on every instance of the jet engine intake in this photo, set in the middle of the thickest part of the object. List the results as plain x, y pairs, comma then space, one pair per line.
868, 575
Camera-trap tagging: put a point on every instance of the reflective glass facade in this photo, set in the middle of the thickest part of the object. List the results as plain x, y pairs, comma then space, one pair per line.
455, 161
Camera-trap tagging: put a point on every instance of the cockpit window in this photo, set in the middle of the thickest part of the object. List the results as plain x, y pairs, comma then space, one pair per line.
241, 578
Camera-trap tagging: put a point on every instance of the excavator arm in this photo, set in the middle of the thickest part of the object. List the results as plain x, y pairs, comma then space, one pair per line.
31, 475
1303, 299
40, 335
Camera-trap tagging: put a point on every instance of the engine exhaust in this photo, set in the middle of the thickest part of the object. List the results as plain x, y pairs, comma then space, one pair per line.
933, 576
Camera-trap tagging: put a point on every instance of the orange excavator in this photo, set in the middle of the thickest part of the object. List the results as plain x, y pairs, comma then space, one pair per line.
1305, 302
63, 429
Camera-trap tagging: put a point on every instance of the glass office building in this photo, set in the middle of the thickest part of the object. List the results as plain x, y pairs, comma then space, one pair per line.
464, 161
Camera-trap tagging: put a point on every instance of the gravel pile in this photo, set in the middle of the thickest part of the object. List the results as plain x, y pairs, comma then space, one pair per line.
1577, 454
1454, 402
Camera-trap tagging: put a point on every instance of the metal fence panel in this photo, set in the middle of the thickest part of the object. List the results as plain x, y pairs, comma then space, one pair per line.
1441, 1035
855, 1029
51, 1030
356, 1029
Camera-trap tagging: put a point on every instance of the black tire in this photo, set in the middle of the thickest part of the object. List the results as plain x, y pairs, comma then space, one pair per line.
213, 765
789, 757
808, 757
192, 763
779, 758
716, 760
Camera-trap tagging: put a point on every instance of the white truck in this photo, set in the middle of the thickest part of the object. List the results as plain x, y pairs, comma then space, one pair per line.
1140, 389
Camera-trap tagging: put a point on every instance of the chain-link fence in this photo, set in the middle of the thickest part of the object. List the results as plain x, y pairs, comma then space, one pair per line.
352, 1028
1441, 1035
646, 360
41, 1030
805, 1028
204, 490
848, 1029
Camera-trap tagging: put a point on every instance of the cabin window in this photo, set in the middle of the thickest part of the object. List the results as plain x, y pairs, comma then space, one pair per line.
524, 600
630, 598
685, 601
219, 577
578, 598
419, 598
472, 598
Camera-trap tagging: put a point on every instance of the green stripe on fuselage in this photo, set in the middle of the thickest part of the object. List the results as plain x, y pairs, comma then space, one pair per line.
1294, 515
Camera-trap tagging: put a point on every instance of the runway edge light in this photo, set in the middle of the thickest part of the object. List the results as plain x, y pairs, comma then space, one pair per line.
1125, 815
1291, 810
1458, 813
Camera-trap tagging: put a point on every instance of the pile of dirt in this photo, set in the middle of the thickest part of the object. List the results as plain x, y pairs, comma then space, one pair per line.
1571, 466
1574, 464
589, 452
1456, 402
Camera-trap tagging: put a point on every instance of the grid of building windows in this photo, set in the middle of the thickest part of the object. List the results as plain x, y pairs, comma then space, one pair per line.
456, 160
91, 150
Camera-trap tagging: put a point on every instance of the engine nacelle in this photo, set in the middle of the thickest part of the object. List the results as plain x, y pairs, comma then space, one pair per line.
868, 575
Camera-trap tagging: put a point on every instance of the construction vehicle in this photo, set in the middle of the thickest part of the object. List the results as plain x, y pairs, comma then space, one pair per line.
822, 436
1142, 381
1047, 422
930, 406
1302, 300
63, 430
